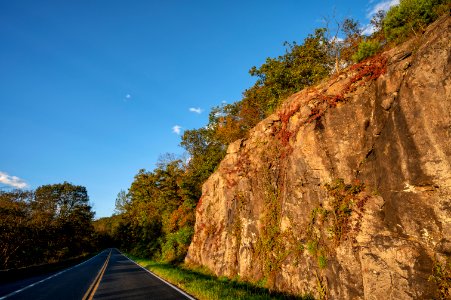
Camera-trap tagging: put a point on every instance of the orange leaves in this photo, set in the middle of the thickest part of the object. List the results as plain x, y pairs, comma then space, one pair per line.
181, 217
365, 71
236, 123
229, 129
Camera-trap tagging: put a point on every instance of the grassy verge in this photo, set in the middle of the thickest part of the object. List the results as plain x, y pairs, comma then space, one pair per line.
201, 284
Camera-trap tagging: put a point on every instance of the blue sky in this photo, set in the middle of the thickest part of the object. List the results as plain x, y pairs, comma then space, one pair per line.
91, 91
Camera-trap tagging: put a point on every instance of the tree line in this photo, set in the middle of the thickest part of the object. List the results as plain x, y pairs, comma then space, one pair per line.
49, 224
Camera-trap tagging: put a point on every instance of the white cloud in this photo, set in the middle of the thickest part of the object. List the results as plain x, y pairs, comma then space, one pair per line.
368, 29
13, 181
177, 129
380, 5
197, 110
336, 39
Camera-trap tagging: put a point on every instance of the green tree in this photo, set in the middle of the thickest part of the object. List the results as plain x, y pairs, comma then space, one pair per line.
15, 233
46, 225
411, 17
366, 49
301, 66
63, 215
122, 201
206, 151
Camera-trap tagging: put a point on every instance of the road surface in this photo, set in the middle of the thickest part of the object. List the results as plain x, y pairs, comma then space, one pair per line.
123, 279
109, 275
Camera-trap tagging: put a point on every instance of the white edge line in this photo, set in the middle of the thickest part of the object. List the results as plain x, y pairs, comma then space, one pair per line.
168, 283
45, 279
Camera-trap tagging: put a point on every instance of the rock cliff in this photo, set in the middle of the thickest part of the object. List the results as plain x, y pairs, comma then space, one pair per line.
345, 192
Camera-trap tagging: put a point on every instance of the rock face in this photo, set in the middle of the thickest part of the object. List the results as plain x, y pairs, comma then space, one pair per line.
345, 192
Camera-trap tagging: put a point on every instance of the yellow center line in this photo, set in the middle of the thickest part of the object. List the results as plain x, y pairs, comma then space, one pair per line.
95, 284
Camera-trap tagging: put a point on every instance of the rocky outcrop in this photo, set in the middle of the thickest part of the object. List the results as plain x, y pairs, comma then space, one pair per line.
345, 192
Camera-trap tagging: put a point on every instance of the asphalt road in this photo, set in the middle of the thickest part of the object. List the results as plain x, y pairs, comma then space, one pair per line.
71, 283
122, 279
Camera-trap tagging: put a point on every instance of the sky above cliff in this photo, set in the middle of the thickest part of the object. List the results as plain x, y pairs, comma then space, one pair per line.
93, 91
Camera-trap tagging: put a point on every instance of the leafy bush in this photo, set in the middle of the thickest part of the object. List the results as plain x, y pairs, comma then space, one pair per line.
411, 16
366, 49
176, 245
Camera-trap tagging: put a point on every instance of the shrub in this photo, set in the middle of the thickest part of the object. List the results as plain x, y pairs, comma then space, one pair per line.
366, 49
176, 244
411, 16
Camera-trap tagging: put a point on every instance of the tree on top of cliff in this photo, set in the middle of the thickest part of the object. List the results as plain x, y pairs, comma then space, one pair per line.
411, 17
301, 66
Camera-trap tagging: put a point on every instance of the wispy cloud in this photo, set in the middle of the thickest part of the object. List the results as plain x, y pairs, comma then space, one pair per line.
196, 110
12, 181
177, 129
380, 5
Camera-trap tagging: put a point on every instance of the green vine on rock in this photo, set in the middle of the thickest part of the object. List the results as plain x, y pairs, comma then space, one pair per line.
273, 245
441, 275
343, 199
330, 222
